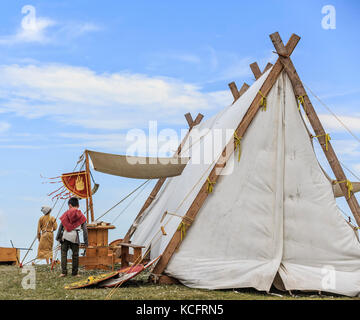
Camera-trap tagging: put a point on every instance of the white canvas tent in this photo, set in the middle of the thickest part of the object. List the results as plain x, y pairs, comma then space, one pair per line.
272, 217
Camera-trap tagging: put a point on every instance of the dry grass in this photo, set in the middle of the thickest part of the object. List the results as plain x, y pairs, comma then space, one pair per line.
50, 287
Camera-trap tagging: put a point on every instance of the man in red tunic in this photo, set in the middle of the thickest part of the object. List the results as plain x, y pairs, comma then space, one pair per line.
72, 221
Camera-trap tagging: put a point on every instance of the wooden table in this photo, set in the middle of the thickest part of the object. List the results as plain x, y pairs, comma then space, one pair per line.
98, 255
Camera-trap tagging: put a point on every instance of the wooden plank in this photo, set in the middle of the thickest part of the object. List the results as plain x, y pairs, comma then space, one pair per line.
255, 70
9, 255
160, 182
234, 90
197, 120
238, 93
229, 149
268, 66
316, 124
189, 119
243, 89
124, 256
130, 245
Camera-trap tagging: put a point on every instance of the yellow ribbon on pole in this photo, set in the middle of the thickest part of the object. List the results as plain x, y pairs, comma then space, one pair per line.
237, 144
301, 101
262, 101
210, 185
182, 227
349, 186
327, 139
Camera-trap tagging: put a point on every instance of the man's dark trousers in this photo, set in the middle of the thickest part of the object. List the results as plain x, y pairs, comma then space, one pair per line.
65, 245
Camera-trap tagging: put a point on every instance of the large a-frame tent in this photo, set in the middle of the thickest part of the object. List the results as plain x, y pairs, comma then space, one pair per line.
265, 216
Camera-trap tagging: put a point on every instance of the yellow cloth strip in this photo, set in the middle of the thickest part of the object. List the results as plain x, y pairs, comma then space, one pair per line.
349, 186
237, 143
210, 185
182, 227
327, 139
301, 101
262, 101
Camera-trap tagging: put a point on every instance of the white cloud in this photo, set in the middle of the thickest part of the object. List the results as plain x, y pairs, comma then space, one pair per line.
35, 29
349, 149
32, 28
330, 122
357, 168
79, 96
4, 126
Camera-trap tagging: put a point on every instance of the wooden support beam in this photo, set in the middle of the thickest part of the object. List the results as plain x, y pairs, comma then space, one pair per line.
268, 66
234, 90
189, 119
243, 89
315, 123
197, 120
255, 70
229, 149
238, 93
161, 181
88, 175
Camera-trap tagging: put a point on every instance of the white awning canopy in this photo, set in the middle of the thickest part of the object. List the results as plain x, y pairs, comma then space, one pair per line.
137, 167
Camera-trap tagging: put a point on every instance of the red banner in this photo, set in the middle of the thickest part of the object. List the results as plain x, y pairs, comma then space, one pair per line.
77, 183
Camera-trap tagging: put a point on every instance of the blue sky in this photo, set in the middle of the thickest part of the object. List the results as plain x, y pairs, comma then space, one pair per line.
88, 71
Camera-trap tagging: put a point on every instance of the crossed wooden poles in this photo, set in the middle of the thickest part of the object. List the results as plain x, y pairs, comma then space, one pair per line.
283, 63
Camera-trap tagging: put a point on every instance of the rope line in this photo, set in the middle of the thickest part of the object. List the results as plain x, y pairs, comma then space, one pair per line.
334, 115
123, 199
131, 202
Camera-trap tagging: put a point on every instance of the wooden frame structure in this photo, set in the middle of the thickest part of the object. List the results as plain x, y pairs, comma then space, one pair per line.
283, 63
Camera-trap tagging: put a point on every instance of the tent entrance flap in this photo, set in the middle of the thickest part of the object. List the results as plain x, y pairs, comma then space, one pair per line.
137, 167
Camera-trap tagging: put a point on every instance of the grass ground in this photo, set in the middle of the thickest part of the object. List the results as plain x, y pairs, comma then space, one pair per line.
50, 287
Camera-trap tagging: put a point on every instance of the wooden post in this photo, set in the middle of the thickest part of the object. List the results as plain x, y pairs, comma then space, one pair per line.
238, 93
228, 150
87, 210
161, 181
243, 89
234, 90
255, 70
315, 123
268, 66
90, 196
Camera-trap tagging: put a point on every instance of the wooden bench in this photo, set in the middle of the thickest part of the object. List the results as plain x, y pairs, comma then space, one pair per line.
124, 253
9, 256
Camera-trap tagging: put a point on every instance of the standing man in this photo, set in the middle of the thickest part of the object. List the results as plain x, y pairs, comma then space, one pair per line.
46, 226
72, 221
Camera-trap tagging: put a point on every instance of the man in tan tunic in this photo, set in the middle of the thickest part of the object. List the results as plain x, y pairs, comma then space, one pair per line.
46, 226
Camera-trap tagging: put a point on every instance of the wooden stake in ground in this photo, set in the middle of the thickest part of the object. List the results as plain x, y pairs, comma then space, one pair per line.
229, 149
330, 154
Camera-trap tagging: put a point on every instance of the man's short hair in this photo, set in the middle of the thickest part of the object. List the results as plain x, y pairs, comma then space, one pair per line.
74, 202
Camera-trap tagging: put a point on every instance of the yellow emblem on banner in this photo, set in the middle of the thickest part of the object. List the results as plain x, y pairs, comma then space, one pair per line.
79, 185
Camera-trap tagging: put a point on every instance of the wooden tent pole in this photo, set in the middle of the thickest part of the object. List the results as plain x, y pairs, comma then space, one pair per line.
255, 70
87, 210
90, 197
161, 181
316, 124
237, 93
229, 149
